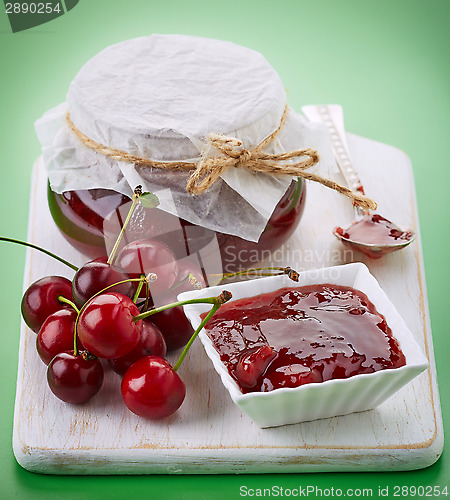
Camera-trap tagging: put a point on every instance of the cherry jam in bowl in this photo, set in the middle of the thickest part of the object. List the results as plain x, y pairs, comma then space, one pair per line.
81, 215
329, 345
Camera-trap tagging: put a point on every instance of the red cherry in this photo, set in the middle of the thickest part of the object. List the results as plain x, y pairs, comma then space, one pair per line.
41, 299
74, 379
252, 365
96, 275
106, 327
151, 343
56, 334
150, 256
175, 327
152, 389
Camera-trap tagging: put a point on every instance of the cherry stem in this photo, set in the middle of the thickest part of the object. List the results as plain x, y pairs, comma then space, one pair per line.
213, 310
67, 301
146, 314
196, 285
139, 288
75, 343
225, 296
257, 271
35, 247
130, 280
134, 201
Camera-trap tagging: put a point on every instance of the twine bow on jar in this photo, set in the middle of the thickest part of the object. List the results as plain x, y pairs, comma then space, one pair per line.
208, 169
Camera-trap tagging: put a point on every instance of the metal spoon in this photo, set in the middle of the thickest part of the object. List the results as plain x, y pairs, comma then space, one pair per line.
370, 234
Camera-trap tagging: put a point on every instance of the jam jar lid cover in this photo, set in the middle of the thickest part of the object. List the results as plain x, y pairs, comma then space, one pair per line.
158, 97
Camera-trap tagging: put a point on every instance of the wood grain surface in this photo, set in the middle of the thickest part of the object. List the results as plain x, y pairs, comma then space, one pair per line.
209, 434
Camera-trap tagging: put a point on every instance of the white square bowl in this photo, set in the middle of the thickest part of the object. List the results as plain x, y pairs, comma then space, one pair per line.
325, 399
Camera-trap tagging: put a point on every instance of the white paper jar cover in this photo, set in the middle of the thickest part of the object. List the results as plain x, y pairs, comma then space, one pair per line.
158, 97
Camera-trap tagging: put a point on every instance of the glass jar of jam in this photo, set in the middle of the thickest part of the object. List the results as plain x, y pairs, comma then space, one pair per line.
219, 142
80, 216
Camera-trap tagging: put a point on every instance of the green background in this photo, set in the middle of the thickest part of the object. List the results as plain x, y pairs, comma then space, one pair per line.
386, 62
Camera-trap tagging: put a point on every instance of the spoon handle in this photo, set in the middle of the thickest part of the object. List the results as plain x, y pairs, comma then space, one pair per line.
332, 116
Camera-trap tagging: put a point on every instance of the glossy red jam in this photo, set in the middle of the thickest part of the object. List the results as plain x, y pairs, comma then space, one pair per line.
376, 230
80, 215
295, 336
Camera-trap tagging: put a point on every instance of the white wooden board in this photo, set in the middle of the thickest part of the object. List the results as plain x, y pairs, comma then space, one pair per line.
209, 434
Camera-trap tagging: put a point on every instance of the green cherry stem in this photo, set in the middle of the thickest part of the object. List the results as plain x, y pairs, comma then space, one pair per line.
225, 296
134, 201
213, 310
35, 247
263, 271
75, 343
67, 301
139, 288
146, 314
130, 280
196, 285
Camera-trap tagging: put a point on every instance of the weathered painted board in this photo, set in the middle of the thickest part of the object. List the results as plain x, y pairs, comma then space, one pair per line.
209, 434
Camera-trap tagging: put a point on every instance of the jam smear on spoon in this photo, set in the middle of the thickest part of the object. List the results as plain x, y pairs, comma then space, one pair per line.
295, 336
376, 230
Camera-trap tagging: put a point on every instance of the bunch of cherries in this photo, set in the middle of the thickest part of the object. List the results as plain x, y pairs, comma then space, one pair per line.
108, 312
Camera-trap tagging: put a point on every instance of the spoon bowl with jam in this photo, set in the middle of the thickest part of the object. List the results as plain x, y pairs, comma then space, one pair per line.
370, 233
374, 236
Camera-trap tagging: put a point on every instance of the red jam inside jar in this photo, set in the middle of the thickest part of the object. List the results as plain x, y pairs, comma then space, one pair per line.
295, 336
80, 216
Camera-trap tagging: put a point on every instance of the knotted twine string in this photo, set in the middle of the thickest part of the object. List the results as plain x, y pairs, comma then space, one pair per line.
208, 169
